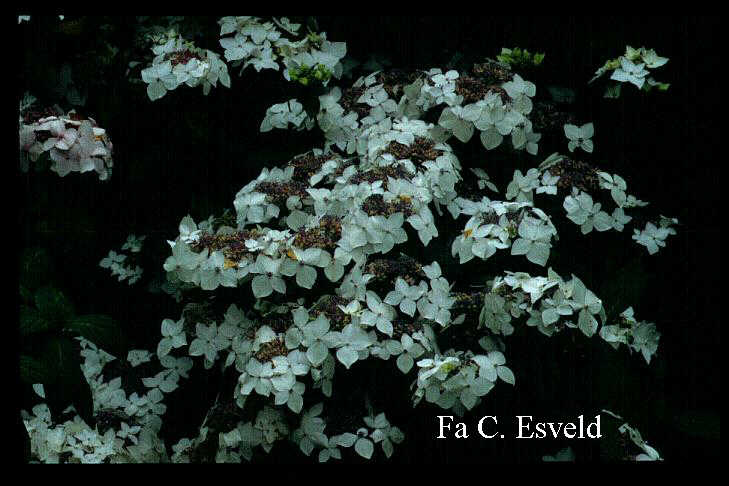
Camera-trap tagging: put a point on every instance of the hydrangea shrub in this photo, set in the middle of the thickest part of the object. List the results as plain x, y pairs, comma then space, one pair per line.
321, 240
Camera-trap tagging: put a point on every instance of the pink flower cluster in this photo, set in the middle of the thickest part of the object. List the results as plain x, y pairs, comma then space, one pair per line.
75, 144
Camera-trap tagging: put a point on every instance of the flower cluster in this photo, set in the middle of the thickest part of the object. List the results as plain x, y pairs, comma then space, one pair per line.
469, 101
654, 236
497, 225
73, 143
342, 210
270, 363
270, 426
179, 62
126, 427
122, 268
581, 183
303, 57
281, 115
632, 67
637, 336
457, 380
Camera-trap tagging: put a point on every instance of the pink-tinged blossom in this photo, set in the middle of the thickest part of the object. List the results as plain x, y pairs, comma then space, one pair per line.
74, 144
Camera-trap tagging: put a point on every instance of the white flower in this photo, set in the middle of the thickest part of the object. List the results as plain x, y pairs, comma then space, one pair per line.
522, 185
180, 365
653, 60
189, 232
215, 272
582, 211
521, 92
653, 237
138, 356
133, 243
580, 136
208, 342
173, 336
548, 184
620, 219
459, 120
165, 380
281, 115
351, 341
436, 303
406, 296
268, 279
534, 240
378, 314
111, 259
315, 336
495, 123
630, 72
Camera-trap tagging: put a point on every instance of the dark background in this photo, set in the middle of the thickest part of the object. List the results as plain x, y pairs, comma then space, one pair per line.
188, 153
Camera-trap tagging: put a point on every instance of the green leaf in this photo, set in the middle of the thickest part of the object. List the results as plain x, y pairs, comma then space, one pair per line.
561, 94
65, 382
31, 321
53, 305
35, 268
62, 356
624, 286
99, 329
33, 370
26, 296
612, 91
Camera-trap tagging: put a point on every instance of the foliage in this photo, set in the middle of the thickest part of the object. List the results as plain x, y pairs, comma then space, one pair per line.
632, 67
520, 58
48, 323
